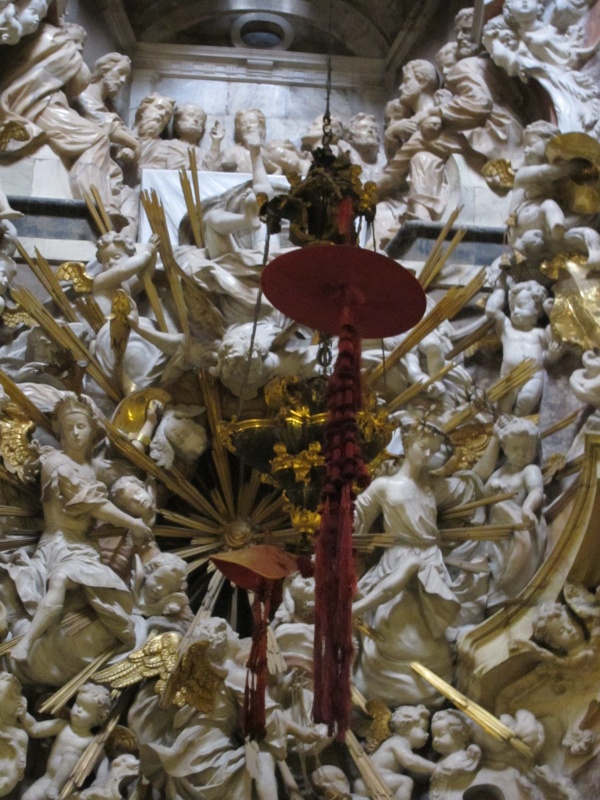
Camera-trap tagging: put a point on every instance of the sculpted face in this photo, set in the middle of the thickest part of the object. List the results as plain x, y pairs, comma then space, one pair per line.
85, 712
190, 122
444, 739
534, 148
519, 449
523, 11
365, 132
111, 255
162, 582
155, 118
562, 633
31, 16
523, 311
422, 449
75, 432
116, 78
465, 46
137, 501
410, 88
250, 126
10, 699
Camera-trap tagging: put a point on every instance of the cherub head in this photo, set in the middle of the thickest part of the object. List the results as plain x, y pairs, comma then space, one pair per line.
178, 436
91, 707
535, 138
113, 247
164, 574
519, 438
451, 731
330, 778
554, 627
131, 495
519, 13
411, 722
526, 304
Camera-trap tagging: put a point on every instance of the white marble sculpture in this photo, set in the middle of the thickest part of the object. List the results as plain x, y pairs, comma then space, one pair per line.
39, 78
66, 560
90, 709
522, 339
408, 597
513, 561
539, 225
394, 757
526, 46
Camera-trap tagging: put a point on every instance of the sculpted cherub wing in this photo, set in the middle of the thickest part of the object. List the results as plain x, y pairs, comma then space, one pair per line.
16, 315
121, 740
377, 730
468, 442
15, 441
202, 311
74, 272
196, 680
156, 658
499, 175
12, 129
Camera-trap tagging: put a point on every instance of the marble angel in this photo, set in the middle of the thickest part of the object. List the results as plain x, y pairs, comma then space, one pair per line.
409, 597
66, 573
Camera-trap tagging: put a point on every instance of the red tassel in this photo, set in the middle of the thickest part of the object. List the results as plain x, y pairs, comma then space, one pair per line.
335, 579
254, 717
345, 219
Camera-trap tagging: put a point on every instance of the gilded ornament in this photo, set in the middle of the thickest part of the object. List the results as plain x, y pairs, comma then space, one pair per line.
130, 414
196, 680
499, 175
16, 430
301, 463
378, 729
303, 519
581, 192
74, 272
155, 659
12, 129
14, 316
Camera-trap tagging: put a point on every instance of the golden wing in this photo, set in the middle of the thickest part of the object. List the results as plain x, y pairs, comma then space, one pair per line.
197, 681
74, 272
468, 442
15, 440
156, 658
378, 729
16, 315
202, 311
13, 129
499, 175
121, 740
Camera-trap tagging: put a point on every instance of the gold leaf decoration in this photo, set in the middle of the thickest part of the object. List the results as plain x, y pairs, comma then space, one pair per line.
499, 175
74, 272
155, 659
197, 680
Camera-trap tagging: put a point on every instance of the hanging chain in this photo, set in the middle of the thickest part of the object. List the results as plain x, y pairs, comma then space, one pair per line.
325, 354
327, 129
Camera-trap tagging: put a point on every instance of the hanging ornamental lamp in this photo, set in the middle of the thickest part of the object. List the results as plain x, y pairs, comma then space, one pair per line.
340, 289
